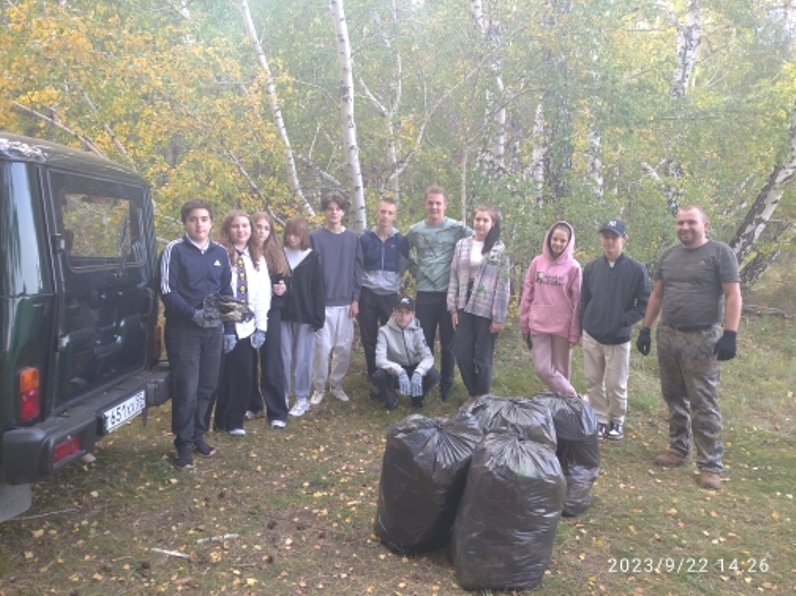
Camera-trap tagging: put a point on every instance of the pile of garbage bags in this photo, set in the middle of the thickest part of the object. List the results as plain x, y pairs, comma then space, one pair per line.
490, 483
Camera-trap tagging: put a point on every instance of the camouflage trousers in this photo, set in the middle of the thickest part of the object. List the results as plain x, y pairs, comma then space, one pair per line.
689, 375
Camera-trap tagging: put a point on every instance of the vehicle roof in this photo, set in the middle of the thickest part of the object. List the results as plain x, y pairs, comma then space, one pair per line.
15, 147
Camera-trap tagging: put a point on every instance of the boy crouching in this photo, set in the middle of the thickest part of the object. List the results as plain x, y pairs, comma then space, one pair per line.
403, 358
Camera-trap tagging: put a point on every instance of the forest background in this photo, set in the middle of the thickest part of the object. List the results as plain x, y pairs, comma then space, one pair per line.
583, 110
580, 109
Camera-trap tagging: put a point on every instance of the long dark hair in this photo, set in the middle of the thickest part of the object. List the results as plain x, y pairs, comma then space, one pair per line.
494, 233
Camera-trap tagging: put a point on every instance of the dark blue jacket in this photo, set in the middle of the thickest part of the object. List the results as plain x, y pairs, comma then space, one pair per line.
383, 262
613, 299
188, 275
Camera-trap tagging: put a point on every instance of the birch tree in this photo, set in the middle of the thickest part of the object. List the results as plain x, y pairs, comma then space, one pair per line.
347, 121
493, 157
276, 110
762, 208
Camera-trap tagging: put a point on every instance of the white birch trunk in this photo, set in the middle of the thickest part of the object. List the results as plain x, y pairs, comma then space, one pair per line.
494, 158
594, 163
276, 110
347, 121
689, 38
768, 198
388, 110
539, 153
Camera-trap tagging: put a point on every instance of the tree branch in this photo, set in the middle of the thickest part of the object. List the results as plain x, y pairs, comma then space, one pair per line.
51, 120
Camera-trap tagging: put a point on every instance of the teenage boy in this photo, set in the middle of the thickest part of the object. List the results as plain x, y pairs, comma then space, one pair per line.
341, 261
433, 241
192, 268
403, 358
613, 298
385, 254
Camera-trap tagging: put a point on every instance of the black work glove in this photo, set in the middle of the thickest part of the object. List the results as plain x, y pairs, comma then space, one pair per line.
725, 347
529, 342
206, 319
644, 341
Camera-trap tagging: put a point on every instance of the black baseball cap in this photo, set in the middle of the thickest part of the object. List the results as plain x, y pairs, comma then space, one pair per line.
405, 302
617, 226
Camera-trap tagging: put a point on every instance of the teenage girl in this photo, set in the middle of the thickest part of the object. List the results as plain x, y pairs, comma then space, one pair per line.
304, 312
549, 309
478, 299
250, 282
271, 386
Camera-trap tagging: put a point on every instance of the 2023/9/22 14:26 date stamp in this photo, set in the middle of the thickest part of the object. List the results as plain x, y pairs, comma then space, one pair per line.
743, 564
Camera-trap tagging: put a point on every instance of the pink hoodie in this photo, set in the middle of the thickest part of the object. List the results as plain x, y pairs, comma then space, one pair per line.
551, 292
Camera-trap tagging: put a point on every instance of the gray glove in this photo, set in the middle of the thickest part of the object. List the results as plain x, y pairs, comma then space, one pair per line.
404, 385
205, 319
229, 342
258, 339
417, 385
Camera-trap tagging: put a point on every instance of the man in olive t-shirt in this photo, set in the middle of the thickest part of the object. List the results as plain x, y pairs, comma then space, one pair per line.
696, 286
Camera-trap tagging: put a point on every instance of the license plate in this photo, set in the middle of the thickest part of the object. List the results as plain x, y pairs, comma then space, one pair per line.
123, 412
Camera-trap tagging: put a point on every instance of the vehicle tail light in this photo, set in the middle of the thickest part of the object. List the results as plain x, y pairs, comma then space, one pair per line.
29, 394
69, 446
157, 343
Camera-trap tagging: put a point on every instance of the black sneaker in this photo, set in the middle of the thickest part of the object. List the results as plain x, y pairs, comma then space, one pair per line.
616, 432
204, 449
602, 430
184, 459
390, 399
444, 392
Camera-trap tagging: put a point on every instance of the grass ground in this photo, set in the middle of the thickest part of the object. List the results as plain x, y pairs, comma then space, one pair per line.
291, 511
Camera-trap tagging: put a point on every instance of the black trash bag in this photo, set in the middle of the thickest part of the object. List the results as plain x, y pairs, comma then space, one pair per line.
517, 413
506, 524
422, 480
578, 449
227, 308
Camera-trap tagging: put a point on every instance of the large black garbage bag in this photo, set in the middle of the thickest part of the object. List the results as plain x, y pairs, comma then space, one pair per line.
506, 524
422, 480
518, 413
578, 449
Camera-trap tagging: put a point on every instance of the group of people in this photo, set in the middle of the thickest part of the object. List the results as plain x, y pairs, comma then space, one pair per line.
304, 295
697, 293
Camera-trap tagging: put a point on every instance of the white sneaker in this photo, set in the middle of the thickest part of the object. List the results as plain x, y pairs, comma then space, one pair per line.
278, 424
340, 394
237, 432
300, 407
249, 415
317, 397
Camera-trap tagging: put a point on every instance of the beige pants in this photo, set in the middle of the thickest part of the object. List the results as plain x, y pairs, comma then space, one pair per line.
334, 337
606, 368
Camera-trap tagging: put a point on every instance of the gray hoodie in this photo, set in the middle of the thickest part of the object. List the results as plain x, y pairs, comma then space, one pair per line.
397, 348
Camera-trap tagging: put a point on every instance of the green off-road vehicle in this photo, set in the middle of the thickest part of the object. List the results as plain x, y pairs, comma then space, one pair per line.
79, 339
